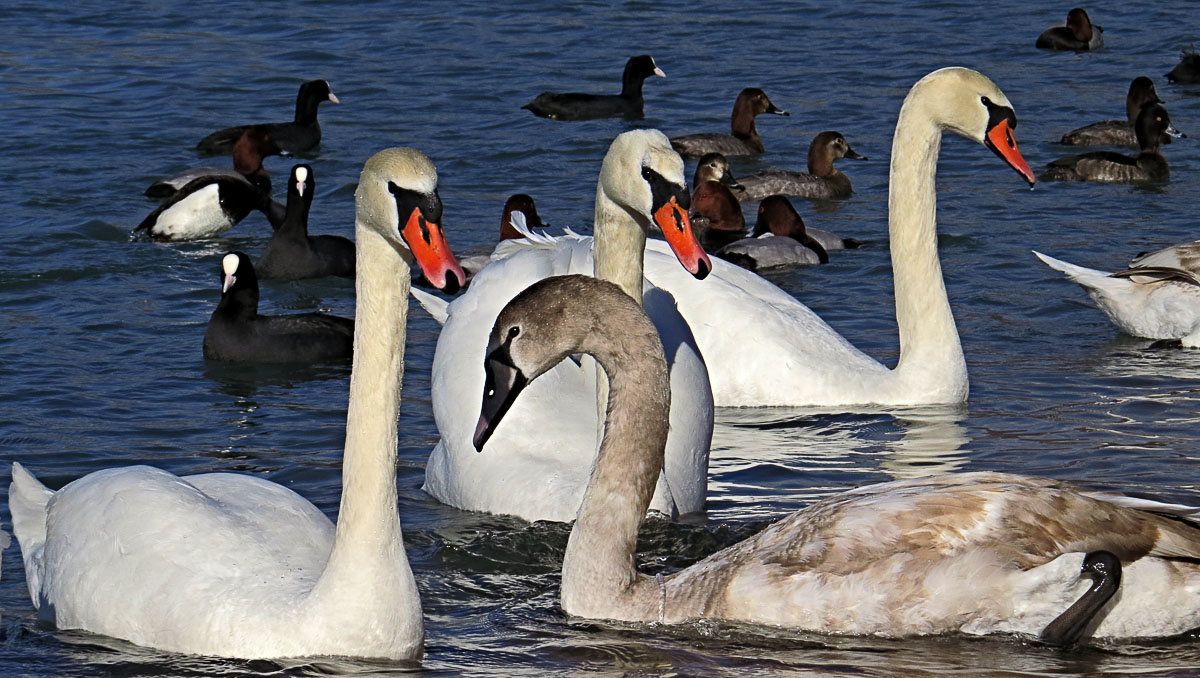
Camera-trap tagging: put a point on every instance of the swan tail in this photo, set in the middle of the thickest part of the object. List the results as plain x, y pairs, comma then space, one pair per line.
1088, 277
434, 306
27, 502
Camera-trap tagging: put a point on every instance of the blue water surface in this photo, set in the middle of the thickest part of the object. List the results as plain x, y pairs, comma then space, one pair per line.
100, 361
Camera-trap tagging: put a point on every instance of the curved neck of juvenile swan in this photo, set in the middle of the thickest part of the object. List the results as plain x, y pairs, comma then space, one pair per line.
619, 246
599, 579
930, 352
368, 569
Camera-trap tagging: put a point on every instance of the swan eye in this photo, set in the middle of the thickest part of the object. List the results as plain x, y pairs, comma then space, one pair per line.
513, 331
986, 101
646, 173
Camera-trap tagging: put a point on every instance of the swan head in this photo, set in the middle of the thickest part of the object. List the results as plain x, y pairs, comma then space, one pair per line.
643, 175
548, 321
969, 104
397, 198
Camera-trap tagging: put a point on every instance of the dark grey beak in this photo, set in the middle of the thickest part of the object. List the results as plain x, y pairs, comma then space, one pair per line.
501, 386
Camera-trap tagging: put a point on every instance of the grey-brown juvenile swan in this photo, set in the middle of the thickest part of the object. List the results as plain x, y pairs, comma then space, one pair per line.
965, 553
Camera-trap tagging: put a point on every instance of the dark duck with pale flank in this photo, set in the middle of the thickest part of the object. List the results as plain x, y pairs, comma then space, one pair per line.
780, 239
583, 106
743, 139
1119, 132
210, 204
300, 135
293, 254
237, 333
1148, 165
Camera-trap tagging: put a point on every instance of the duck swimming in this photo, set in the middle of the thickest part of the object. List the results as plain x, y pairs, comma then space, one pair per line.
1187, 71
237, 333
1148, 165
582, 106
1079, 35
821, 181
207, 207
780, 239
248, 153
1119, 132
976, 553
300, 135
743, 138
293, 254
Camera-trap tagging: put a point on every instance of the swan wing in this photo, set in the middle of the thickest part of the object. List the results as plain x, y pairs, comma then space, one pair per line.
170, 562
761, 345
1185, 256
976, 553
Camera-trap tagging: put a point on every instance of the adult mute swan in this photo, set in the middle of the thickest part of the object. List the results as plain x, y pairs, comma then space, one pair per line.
543, 454
763, 347
231, 565
963, 553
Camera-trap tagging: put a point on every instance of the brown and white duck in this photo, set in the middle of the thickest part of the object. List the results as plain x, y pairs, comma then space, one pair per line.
780, 239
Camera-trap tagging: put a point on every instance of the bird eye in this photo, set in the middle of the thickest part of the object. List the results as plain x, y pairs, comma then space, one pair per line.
646, 173
513, 331
986, 101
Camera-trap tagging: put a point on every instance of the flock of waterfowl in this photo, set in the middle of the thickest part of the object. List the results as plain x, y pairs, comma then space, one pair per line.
575, 378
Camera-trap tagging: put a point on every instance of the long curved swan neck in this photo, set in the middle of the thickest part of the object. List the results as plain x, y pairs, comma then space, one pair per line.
368, 565
619, 245
599, 578
929, 343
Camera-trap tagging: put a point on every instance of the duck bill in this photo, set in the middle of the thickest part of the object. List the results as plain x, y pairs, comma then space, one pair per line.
854, 155
428, 244
503, 382
775, 110
672, 219
1000, 139
1172, 132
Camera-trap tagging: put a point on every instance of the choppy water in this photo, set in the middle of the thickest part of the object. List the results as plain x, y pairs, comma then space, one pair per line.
100, 361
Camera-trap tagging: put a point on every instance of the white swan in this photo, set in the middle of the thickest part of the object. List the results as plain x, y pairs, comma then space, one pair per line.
542, 456
966, 553
231, 565
1152, 298
764, 348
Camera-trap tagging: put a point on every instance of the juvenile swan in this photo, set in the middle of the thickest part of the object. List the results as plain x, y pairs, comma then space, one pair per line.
781, 353
968, 553
1157, 297
232, 565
